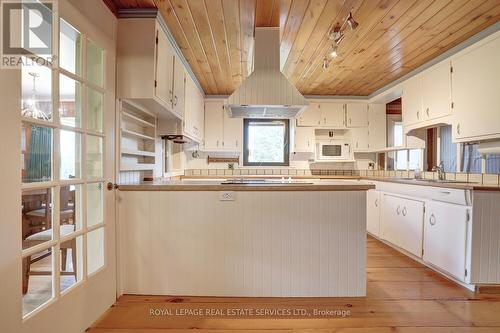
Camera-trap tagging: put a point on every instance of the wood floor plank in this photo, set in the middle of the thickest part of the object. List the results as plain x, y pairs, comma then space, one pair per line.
402, 296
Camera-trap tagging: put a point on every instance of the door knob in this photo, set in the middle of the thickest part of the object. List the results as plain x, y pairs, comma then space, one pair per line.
111, 186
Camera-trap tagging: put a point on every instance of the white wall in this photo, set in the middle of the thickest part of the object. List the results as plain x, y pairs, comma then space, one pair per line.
76, 310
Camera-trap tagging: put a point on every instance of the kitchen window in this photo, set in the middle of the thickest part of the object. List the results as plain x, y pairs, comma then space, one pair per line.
266, 142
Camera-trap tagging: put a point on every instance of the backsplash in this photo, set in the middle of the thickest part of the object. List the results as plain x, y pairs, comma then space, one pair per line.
486, 179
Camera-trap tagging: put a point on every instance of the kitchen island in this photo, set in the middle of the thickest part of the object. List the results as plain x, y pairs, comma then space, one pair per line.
260, 239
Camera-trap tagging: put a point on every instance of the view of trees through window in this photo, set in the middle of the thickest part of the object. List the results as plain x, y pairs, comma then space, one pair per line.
266, 142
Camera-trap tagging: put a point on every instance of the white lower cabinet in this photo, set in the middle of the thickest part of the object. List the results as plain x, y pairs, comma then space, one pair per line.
401, 222
445, 237
373, 212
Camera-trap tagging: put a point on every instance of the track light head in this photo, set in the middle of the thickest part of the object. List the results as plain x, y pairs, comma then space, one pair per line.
326, 63
335, 51
351, 22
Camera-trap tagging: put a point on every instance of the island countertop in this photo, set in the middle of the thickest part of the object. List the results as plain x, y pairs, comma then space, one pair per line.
268, 185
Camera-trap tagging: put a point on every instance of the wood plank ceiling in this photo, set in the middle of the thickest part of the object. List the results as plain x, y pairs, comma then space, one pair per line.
393, 38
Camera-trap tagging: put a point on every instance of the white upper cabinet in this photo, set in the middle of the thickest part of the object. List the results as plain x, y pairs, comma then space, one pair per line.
222, 133
377, 124
304, 140
164, 66
476, 91
332, 115
214, 125
324, 114
194, 111
359, 138
148, 70
311, 116
233, 133
436, 91
411, 101
356, 114
179, 82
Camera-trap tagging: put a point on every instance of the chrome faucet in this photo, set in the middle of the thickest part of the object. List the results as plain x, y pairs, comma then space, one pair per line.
440, 170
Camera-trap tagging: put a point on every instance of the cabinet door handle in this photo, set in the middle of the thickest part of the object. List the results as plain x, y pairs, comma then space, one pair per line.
458, 128
324, 120
427, 111
404, 211
217, 143
176, 100
418, 114
432, 219
236, 143
398, 210
350, 121
376, 202
357, 144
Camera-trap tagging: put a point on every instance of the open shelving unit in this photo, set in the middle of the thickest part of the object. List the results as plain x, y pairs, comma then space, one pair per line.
137, 142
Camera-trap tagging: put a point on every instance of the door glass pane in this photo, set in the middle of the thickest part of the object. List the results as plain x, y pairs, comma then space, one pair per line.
414, 159
36, 153
70, 100
95, 59
401, 160
70, 52
70, 205
36, 83
71, 262
36, 217
94, 204
95, 250
70, 155
95, 103
94, 156
37, 275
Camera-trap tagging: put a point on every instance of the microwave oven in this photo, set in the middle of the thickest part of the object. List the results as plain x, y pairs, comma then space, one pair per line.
332, 150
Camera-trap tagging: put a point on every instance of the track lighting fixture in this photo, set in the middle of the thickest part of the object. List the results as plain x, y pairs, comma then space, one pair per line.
326, 63
351, 22
334, 52
337, 35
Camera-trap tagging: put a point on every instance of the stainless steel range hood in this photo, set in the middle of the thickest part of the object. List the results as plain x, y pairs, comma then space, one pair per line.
266, 93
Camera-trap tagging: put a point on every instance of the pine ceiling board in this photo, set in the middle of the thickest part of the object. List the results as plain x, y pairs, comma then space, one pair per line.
294, 69
232, 22
183, 13
370, 13
393, 38
294, 21
477, 19
247, 20
435, 29
349, 58
407, 23
216, 18
275, 15
309, 21
267, 13
284, 10
167, 11
204, 31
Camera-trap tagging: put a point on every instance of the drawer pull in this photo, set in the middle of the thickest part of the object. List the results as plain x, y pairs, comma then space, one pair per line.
445, 192
404, 211
432, 219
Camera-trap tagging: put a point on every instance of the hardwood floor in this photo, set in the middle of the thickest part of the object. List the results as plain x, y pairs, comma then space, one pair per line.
402, 296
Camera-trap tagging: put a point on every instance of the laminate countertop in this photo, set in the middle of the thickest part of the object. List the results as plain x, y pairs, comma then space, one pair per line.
268, 185
454, 185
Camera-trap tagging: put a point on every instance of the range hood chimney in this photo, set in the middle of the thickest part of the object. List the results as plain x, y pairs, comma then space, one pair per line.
266, 93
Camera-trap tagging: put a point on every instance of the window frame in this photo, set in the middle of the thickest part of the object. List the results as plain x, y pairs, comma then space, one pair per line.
286, 146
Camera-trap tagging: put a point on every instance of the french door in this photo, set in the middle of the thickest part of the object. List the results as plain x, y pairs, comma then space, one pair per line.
58, 132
